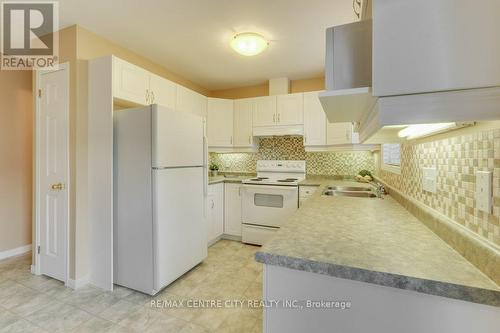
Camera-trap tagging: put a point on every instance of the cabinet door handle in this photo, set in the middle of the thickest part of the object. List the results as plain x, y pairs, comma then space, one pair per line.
213, 204
152, 97
305, 138
274, 118
231, 139
147, 96
278, 117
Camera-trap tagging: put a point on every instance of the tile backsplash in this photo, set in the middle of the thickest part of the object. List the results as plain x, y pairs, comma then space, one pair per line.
456, 159
346, 163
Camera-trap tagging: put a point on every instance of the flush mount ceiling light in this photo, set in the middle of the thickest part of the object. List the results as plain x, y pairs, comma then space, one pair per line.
421, 130
249, 43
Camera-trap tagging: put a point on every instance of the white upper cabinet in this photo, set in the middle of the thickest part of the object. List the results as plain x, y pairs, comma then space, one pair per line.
162, 91
264, 112
457, 49
191, 101
136, 85
340, 134
243, 111
290, 109
130, 82
220, 122
314, 120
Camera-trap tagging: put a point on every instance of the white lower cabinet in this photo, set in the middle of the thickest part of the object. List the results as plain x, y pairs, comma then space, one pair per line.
305, 193
232, 210
215, 212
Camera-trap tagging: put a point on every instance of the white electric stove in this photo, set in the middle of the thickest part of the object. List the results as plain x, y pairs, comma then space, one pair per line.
270, 198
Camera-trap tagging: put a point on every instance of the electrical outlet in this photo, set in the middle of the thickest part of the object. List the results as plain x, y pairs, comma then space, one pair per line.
429, 179
484, 191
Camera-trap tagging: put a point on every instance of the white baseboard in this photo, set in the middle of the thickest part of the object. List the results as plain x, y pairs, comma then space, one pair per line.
231, 237
78, 283
15, 252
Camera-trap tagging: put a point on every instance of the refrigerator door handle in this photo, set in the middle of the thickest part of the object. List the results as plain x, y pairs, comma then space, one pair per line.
205, 166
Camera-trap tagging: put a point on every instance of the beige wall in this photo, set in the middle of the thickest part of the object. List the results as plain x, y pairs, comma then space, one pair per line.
16, 128
91, 45
263, 89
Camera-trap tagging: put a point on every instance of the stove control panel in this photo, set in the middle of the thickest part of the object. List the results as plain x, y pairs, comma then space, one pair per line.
281, 166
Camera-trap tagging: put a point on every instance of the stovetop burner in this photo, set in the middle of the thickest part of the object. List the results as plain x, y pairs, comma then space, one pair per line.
279, 173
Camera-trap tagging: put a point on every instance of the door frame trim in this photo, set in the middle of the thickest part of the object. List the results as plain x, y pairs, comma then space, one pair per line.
37, 264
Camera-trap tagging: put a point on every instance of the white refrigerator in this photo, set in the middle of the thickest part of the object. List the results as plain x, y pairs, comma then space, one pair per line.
160, 183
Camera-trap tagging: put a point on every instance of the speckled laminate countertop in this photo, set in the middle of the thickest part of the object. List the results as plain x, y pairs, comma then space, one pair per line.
375, 241
232, 178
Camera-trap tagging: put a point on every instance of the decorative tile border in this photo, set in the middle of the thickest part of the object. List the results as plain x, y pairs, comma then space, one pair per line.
457, 160
347, 163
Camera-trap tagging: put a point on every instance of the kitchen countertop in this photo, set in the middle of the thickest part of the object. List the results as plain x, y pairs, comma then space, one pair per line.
237, 178
375, 241
314, 180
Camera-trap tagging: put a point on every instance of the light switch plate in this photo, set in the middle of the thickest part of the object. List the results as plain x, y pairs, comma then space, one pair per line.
429, 179
484, 191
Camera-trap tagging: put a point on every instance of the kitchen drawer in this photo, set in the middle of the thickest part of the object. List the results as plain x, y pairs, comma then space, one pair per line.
252, 234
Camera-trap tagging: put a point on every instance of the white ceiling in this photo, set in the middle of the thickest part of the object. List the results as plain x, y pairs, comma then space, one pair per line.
191, 37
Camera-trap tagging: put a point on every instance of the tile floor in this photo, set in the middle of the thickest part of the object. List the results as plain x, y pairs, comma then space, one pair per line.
30, 303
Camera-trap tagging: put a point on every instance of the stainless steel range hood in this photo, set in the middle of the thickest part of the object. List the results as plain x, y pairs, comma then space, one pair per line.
348, 72
424, 71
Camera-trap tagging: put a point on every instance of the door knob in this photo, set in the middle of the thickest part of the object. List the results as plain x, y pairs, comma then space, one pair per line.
58, 186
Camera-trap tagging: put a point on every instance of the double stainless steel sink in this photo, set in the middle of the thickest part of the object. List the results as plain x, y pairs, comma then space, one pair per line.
350, 191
